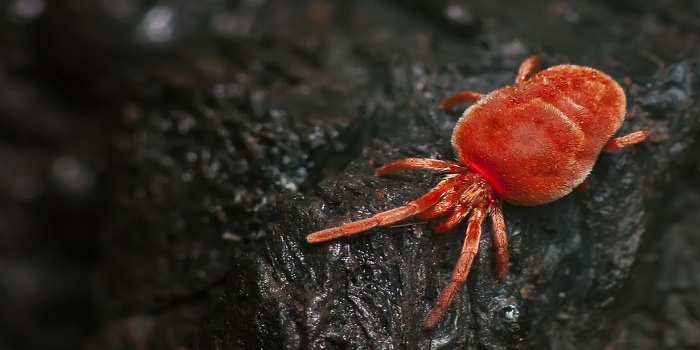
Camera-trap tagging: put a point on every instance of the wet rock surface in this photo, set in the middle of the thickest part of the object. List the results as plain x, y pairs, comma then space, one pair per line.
220, 134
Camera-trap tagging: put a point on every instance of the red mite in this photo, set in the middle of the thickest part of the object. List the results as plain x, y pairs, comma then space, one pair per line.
529, 143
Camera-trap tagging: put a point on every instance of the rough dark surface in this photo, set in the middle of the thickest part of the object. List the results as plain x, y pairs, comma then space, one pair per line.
163, 162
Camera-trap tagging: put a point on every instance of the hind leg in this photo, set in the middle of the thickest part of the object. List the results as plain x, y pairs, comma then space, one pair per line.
530, 66
627, 140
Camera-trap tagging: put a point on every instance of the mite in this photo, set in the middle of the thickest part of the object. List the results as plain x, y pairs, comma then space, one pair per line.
529, 143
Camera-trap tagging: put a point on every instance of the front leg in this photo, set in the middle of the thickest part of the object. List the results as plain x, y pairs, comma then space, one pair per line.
386, 217
420, 163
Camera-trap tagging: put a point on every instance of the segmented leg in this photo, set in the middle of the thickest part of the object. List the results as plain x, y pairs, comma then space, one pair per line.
386, 217
456, 216
629, 139
419, 163
530, 66
460, 98
500, 239
447, 202
459, 275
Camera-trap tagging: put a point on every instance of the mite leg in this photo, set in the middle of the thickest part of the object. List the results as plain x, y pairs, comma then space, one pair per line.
456, 216
629, 139
616, 143
419, 163
460, 98
459, 275
386, 217
530, 66
447, 202
500, 239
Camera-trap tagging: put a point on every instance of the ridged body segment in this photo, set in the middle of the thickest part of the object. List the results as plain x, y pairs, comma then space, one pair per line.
537, 140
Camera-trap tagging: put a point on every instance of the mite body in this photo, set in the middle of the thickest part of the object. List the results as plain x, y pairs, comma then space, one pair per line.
528, 143
538, 139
